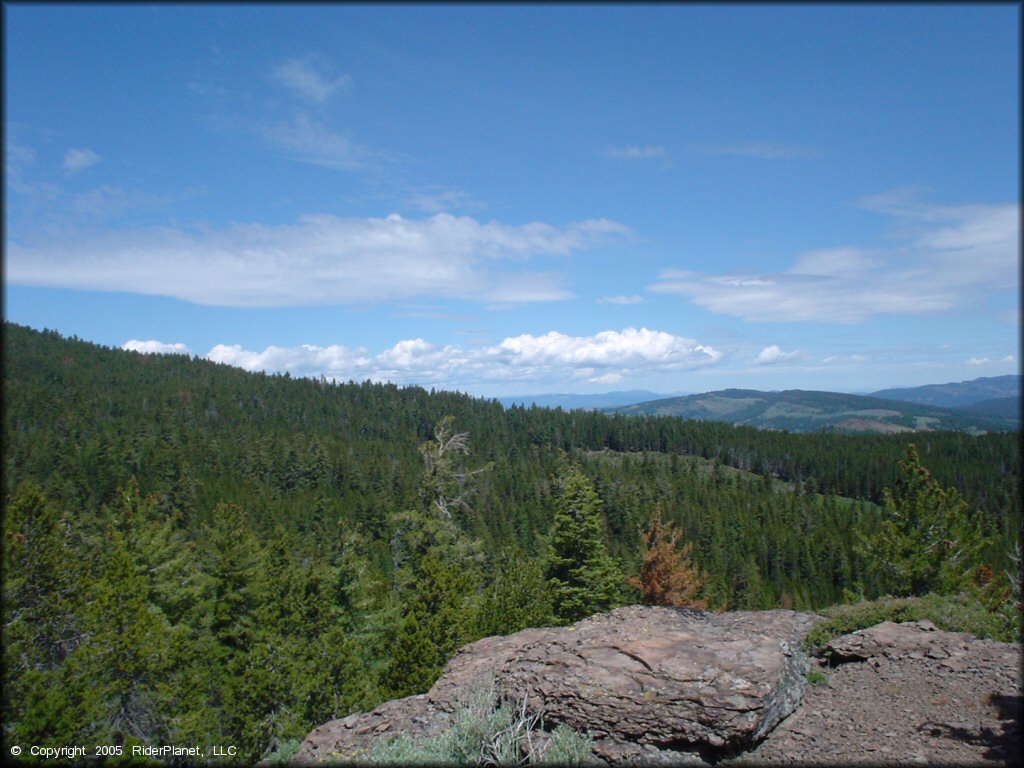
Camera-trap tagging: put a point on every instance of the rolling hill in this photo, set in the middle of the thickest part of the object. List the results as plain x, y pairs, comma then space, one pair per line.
809, 411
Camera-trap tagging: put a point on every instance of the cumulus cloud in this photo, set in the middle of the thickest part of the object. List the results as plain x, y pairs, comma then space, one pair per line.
306, 359
772, 354
606, 357
156, 347
979, 361
635, 153
80, 159
311, 78
318, 260
945, 257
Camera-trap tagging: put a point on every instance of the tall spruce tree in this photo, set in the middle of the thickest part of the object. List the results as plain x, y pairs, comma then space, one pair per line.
584, 577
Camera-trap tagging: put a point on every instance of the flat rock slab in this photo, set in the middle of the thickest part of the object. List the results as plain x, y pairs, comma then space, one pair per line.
668, 678
649, 684
914, 639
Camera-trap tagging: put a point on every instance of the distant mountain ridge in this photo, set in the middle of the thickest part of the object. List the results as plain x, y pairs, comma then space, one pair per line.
569, 402
957, 394
798, 410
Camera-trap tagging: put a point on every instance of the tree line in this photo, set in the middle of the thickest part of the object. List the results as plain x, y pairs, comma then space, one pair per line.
194, 553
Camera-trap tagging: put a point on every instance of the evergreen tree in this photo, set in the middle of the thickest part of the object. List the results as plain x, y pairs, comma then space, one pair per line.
41, 619
927, 540
436, 568
413, 665
518, 597
584, 578
126, 664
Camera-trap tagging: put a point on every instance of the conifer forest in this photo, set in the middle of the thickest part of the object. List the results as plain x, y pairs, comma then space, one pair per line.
195, 554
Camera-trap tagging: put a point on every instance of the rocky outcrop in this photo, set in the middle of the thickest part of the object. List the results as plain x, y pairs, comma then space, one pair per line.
649, 684
899, 694
661, 685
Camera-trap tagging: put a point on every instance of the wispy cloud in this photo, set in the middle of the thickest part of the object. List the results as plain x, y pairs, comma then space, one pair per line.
979, 361
845, 359
79, 159
312, 78
624, 300
605, 357
636, 153
318, 260
766, 150
311, 141
944, 257
443, 200
771, 355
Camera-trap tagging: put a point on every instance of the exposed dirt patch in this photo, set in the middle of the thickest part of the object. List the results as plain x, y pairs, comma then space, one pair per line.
936, 707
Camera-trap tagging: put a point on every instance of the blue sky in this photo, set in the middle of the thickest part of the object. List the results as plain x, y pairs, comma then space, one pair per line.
509, 200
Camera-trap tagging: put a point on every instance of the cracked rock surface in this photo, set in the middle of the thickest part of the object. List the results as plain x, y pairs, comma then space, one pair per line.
650, 684
641, 679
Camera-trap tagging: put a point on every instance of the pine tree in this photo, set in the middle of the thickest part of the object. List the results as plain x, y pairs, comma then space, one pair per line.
413, 665
584, 578
518, 597
668, 575
126, 662
41, 618
927, 541
436, 567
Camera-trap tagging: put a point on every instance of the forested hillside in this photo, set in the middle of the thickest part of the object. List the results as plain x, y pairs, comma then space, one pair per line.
197, 554
798, 410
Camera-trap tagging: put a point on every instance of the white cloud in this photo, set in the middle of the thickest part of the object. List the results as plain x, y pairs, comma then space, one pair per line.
625, 300
318, 260
979, 361
635, 153
311, 78
945, 257
772, 354
606, 357
310, 141
845, 359
80, 159
306, 359
156, 347
1007, 359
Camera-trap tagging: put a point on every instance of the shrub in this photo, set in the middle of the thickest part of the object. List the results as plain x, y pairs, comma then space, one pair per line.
284, 752
817, 677
484, 733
